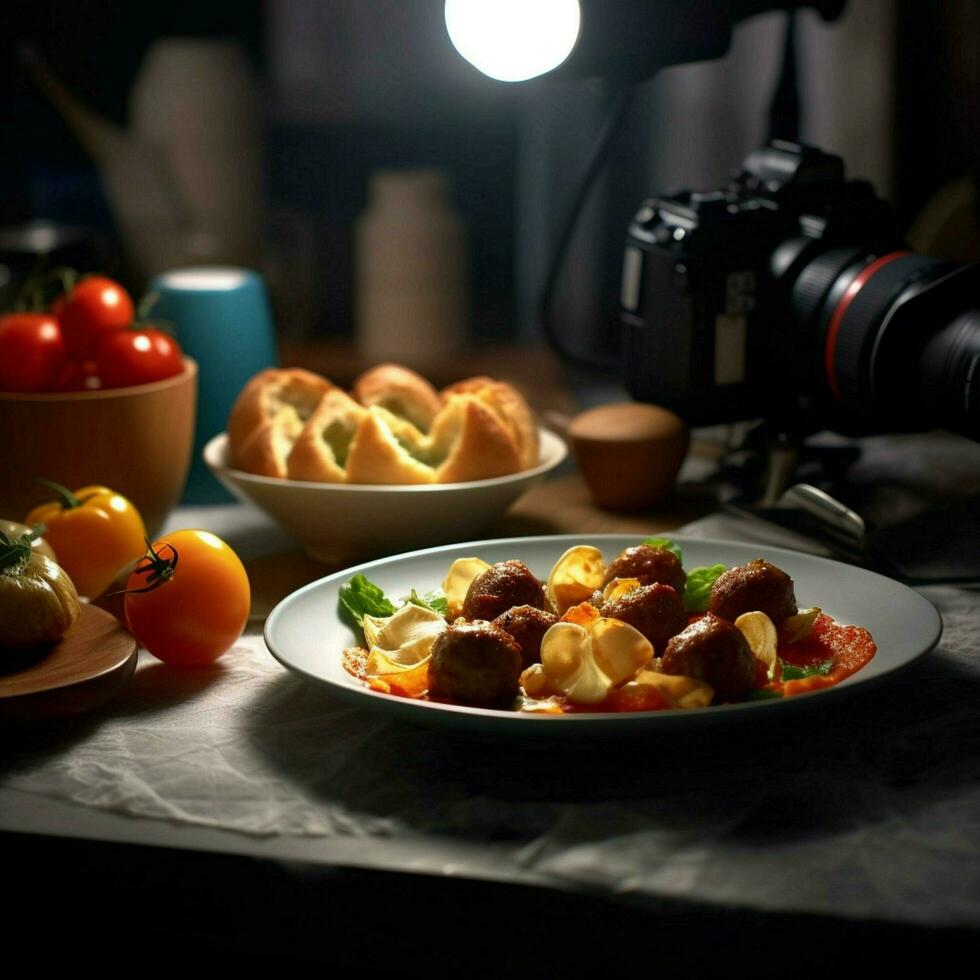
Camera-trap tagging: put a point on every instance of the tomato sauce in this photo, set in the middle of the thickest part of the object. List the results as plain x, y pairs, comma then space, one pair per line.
848, 648
621, 700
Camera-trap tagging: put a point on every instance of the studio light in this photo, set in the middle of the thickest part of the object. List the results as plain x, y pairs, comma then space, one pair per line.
513, 40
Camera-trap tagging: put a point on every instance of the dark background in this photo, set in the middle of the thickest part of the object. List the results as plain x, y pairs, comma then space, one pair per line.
412, 102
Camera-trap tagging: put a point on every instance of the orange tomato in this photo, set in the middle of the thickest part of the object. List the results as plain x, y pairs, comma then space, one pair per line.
188, 601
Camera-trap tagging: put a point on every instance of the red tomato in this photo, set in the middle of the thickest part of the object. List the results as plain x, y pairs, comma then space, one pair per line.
95, 307
639, 697
135, 357
78, 375
32, 352
197, 602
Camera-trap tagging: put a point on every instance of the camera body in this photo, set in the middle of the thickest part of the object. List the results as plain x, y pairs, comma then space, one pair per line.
787, 296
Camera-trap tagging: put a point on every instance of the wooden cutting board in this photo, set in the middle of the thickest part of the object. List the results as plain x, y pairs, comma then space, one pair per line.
79, 672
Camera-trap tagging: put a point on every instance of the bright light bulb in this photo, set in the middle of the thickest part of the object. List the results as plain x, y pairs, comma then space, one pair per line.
513, 40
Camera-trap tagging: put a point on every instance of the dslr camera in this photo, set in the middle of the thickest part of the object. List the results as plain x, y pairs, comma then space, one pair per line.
789, 296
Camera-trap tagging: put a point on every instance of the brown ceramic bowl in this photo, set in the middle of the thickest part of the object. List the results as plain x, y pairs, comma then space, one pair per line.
135, 440
629, 454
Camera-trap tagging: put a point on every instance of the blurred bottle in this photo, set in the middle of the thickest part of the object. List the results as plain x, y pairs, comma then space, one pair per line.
411, 268
184, 179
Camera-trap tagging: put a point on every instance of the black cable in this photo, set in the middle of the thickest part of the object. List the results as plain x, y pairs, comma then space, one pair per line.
784, 109
600, 154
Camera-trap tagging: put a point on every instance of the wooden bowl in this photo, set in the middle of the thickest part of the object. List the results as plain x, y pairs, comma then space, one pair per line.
135, 440
85, 668
629, 454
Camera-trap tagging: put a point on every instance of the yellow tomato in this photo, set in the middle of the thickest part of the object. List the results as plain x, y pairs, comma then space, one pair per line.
188, 601
94, 531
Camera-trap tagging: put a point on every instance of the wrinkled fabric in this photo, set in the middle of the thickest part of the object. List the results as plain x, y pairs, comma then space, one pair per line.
865, 806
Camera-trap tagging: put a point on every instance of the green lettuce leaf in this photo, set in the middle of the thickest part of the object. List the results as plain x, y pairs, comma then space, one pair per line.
697, 592
360, 597
791, 672
665, 544
435, 601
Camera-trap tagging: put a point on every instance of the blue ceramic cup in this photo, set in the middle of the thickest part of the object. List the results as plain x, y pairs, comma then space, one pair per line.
223, 321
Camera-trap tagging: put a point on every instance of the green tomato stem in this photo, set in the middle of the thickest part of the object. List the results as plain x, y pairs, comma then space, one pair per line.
65, 276
155, 567
64, 495
146, 304
12, 553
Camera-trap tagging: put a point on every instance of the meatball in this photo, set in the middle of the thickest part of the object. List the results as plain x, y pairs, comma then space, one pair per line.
714, 651
527, 626
655, 610
755, 586
648, 565
501, 587
476, 664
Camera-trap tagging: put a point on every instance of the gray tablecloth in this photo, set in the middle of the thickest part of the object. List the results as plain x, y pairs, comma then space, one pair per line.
867, 808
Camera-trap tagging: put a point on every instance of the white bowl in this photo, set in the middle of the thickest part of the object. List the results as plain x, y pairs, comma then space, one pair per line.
339, 521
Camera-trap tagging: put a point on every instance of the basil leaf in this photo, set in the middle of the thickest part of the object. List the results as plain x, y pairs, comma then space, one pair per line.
360, 597
697, 591
762, 694
434, 601
792, 672
665, 544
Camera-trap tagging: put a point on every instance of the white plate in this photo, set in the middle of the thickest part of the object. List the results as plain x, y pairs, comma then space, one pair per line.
337, 522
306, 635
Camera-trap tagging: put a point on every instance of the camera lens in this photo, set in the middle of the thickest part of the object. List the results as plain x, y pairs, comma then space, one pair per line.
950, 378
899, 335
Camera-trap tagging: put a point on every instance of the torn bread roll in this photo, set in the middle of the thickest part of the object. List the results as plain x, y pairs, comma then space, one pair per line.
269, 415
401, 391
321, 449
468, 442
378, 456
472, 442
315, 432
509, 405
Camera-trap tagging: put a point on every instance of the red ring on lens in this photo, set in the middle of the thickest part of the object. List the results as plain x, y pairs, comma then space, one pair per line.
830, 347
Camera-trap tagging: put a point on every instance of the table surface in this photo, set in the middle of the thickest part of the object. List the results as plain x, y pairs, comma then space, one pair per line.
864, 822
